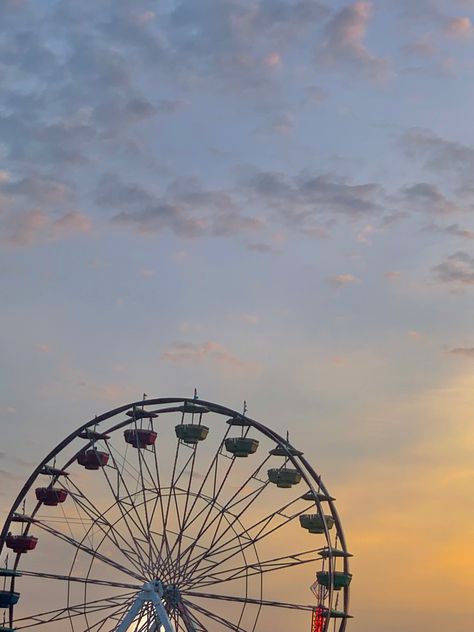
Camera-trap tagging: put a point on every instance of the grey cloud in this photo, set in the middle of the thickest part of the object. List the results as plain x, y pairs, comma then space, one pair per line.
185, 207
116, 114
457, 270
38, 189
112, 192
438, 153
280, 124
301, 198
467, 352
453, 229
344, 40
230, 41
263, 248
426, 197
305, 203
314, 95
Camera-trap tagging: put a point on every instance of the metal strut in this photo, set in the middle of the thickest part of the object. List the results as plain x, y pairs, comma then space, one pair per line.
152, 592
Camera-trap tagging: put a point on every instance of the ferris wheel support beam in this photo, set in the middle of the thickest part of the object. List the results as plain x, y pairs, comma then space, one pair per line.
152, 592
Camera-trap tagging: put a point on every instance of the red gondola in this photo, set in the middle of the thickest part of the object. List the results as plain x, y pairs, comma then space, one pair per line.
51, 496
21, 543
93, 459
140, 437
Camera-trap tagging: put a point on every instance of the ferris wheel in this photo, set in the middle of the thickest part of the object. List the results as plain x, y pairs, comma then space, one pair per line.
174, 514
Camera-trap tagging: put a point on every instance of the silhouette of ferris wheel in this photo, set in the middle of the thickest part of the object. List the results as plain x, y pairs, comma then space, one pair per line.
174, 514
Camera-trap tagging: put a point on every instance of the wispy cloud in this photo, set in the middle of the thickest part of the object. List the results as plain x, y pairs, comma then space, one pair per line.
466, 352
344, 40
36, 226
457, 270
452, 229
427, 198
341, 280
438, 153
207, 352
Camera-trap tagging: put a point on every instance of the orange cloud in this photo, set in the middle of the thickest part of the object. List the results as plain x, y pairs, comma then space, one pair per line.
340, 280
460, 27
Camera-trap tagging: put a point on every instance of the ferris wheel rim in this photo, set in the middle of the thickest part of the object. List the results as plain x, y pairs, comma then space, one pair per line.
297, 459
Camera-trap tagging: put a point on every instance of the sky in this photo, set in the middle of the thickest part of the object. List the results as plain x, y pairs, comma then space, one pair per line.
266, 200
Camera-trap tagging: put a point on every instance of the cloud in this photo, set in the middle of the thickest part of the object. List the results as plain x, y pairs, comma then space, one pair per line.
457, 270
272, 59
460, 27
37, 226
43, 347
185, 208
280, 124
237, 43
38, 189
467, 352
263, 248
392, 275
427, 198
301, 199
341, 280
213, 352
452, 229
423, 46
314, 95
306, 203
438, 153
344, 40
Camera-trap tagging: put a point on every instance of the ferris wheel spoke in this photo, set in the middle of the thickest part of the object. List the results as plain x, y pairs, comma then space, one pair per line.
168, 505
77, 610
149, 512
213, 548
120, 468
192, 623
181, 516
108, 529
214, 617
82, 547
250, 600
179, 539
258, 568
229, 546
84, 580
188, 563
213, 467
164, 535
129, 512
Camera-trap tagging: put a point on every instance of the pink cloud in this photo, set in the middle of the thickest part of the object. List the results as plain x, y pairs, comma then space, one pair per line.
71, 223
190, 353
340, 280
345, 39
272, 59
43, 347
36, 226
460, 27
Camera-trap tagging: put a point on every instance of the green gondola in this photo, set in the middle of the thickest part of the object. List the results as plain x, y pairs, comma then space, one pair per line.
191, 433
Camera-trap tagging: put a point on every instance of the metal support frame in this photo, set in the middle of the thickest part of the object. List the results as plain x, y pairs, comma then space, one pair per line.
152, 592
